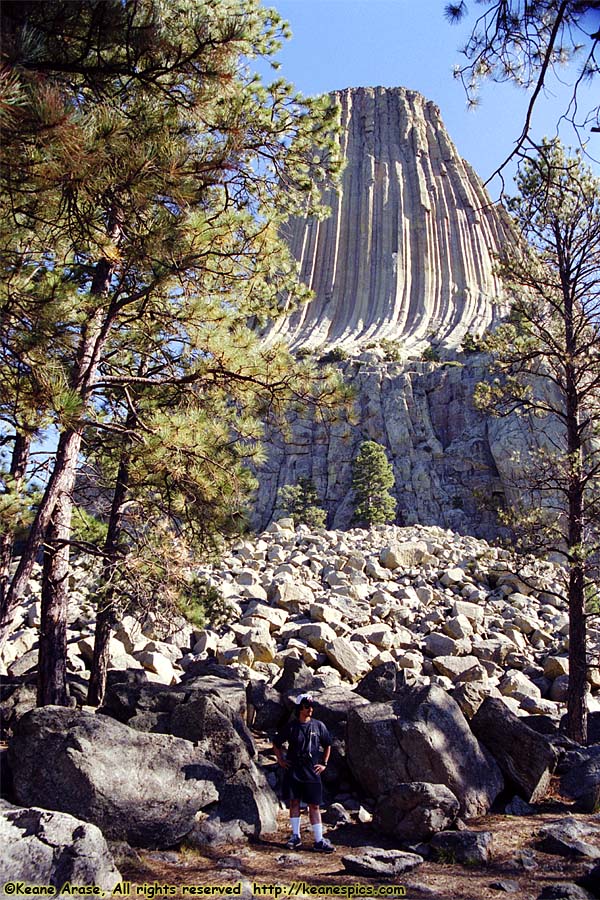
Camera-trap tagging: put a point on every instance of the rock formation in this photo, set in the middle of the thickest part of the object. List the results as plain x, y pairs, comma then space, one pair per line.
446, 454
409, 247
404, 264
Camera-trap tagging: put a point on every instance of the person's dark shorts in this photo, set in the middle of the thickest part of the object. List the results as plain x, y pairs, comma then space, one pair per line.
305, 791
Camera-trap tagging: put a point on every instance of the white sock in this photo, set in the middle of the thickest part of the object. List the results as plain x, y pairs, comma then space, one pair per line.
295, 823
318, 832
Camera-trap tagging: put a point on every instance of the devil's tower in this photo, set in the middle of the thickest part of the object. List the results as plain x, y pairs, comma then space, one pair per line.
408, 250
408, 257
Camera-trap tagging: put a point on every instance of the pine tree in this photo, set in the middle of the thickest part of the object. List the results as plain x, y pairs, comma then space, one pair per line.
547, 368
301, 502
143, 182
372, 476
532, 44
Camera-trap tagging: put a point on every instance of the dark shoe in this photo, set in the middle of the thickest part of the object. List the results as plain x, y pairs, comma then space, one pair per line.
323, 846
295, 842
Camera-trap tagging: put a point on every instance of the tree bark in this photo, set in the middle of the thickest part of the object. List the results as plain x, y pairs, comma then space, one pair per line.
52, 663
106, 610
62, 479
61, 482
576, 694
18, 468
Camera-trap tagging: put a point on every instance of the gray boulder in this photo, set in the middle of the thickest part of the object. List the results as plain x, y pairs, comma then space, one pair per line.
564, 891
333, 704
567, 838
44, 847
142, 788
582, 782
373, 862
266, 711
209, 709
525, 757
421, 736
16, 700
382, 683
247, 807
468, 847
295, 678
413, 812
591, 880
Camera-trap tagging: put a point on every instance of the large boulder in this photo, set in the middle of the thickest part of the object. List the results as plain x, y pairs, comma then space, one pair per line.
247, 807
346, 659
382, 683
295, 678
567, 838
201, 706
413, 812
582, 782
15, 700
421, 736
53, 848
138, 787
373, 862
209, 710
468, 847
266, 710
525, 757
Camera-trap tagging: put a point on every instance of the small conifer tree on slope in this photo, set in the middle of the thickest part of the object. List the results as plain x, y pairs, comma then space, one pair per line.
301, 502
372, 476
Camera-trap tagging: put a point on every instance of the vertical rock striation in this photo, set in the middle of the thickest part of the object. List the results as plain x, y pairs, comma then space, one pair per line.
409, 247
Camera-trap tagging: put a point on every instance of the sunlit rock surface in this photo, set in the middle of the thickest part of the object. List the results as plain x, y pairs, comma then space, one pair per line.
408, 251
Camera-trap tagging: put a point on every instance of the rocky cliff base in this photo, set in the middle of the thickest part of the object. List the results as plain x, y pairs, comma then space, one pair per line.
438, 663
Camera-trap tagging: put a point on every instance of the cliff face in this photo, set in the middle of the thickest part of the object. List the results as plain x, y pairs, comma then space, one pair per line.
408, 250
408, 256
453, 465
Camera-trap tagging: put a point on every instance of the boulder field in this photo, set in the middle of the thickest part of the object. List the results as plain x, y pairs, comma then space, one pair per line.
438, 662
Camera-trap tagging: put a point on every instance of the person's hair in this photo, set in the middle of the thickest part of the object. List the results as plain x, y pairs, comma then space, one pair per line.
304, 702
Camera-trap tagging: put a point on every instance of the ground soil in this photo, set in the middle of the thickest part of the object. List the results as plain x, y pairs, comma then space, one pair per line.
268, 862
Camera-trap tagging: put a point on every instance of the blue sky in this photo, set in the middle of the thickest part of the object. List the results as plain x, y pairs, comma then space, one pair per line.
409, 43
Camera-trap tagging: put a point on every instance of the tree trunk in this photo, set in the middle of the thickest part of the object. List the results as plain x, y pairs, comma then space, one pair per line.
52, 664
106, 611
576, 696
18, 468
62, 480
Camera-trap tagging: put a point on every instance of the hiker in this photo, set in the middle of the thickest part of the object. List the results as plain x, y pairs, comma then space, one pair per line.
303, 765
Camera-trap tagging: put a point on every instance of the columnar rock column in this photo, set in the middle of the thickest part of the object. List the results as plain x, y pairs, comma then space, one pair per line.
408, 251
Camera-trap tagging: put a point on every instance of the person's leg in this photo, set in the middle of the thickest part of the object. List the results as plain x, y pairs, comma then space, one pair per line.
321, 843
295, 817
314, 815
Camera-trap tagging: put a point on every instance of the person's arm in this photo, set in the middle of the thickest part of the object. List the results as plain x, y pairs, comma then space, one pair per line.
277, 747
283, 762
326, 744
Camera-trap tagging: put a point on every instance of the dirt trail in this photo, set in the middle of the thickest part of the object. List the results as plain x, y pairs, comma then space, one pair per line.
268, 862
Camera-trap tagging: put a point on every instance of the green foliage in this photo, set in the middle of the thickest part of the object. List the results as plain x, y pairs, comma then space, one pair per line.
372, 476
430, 354
87, 528
392, 350
202, 604
545, 369
592, 599
472, 344
531, 44
144, 180
301, 502
17, 504
336, 354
